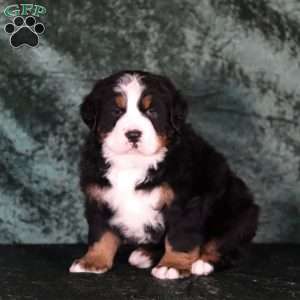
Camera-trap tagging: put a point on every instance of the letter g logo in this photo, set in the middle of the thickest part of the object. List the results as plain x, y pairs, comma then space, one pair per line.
12, 10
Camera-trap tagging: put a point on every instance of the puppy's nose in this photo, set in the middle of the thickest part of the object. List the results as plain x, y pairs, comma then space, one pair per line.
133, 135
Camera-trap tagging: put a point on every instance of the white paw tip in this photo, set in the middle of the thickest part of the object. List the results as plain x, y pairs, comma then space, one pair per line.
138, 259
165, 273
172, 273
77, 268
159, 272
200, 267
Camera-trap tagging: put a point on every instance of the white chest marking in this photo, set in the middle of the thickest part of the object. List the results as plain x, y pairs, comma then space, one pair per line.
132, 209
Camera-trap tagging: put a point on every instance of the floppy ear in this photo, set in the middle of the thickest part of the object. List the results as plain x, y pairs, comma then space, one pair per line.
89, 108
88, 111
178, 112
178, 105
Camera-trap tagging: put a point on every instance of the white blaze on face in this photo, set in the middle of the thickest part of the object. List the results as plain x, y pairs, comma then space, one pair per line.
131, 87
129, 165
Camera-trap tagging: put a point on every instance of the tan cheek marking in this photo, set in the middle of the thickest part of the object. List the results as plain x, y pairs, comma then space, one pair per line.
163, 142
178, 260
101, 254
146, 101
101, 136
95, 192
210, 252
120, 101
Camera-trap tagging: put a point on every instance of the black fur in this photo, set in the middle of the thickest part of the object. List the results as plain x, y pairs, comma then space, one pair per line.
211, 201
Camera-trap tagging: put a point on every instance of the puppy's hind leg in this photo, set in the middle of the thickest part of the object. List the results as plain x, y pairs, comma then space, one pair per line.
221, 252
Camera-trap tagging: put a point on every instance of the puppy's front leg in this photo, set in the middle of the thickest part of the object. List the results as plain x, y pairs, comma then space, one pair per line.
99, 257
103, 244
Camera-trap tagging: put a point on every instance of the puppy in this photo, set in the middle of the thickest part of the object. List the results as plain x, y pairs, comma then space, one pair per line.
151, 181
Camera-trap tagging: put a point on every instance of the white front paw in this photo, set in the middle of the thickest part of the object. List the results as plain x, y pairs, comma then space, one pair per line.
200, 267
139, 259
165, 273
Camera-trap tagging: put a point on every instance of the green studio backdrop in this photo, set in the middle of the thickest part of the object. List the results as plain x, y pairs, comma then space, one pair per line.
236, 61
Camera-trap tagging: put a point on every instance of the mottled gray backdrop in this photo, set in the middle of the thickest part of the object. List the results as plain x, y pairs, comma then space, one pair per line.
237, 62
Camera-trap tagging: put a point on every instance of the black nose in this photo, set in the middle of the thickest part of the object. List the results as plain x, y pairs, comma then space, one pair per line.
133, 135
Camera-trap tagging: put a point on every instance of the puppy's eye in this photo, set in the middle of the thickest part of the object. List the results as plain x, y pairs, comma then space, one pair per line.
151, 112
117, 111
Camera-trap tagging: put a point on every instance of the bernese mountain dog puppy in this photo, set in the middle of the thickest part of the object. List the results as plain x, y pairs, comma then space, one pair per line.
151, 181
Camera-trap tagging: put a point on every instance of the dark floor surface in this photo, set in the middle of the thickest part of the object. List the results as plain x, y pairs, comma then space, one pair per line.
271, 272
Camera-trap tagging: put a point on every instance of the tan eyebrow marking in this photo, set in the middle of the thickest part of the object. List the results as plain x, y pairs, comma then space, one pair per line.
146, 101
121, 101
